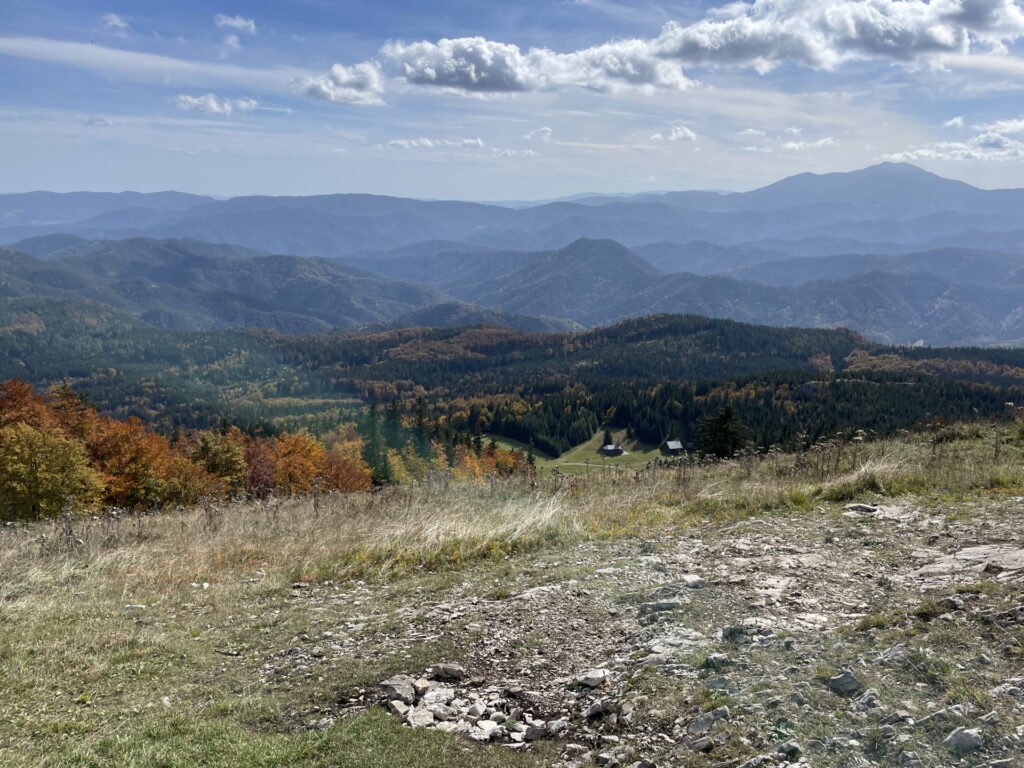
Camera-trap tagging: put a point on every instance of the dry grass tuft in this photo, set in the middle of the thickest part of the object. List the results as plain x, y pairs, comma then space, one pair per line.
436, 524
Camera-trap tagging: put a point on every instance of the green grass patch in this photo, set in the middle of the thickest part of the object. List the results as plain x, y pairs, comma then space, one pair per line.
369, 740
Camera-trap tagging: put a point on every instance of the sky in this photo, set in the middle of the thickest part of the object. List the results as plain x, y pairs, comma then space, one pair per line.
503, 101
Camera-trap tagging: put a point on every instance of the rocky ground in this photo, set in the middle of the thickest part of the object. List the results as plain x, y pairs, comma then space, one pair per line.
848, 636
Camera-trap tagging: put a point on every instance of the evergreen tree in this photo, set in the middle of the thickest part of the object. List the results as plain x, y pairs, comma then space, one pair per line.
723, 434
606, 440
420, 436
374, 448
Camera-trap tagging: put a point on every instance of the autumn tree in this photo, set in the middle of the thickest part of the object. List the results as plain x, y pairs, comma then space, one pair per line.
260, 467
223, 456
19, 404
135, 462
72, 414
298, 460
42, 473
341, 473
188, 482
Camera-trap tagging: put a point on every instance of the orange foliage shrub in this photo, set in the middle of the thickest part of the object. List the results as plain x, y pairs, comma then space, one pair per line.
345, 474
298, 460
135, 462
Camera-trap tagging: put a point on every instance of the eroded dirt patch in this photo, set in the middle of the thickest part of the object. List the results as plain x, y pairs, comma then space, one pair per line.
864, 635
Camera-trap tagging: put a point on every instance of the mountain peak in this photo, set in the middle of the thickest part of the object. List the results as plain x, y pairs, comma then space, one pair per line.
890, 165
889, 168
606, 252
890, 190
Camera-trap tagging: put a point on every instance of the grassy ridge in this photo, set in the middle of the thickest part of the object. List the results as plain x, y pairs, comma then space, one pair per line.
92, 679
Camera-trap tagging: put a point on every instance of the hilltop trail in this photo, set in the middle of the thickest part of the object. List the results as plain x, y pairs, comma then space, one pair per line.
847, 636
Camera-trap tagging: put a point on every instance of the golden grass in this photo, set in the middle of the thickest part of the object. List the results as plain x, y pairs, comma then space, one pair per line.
434, 525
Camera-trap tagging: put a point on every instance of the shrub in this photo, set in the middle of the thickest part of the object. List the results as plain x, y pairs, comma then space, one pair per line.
41, 473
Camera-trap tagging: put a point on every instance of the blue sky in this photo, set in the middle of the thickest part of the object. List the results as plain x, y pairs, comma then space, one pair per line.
521, 100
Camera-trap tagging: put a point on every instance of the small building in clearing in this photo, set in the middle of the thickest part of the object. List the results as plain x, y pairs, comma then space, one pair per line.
611, 450
672, 448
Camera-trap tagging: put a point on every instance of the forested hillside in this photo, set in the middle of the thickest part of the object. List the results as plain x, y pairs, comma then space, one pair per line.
655, 376
940, 297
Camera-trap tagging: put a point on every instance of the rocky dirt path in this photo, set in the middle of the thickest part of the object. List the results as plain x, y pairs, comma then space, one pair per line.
856, 636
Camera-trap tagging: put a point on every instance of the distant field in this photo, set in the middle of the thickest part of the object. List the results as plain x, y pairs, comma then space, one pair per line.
584, 457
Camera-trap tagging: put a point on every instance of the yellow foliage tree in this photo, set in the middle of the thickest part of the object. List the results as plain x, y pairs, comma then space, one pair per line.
72, 414
42, 473
399, 472
417, 465
298, 460
189, 483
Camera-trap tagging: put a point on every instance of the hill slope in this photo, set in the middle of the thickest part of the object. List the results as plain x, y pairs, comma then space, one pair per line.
190, 285
596, 282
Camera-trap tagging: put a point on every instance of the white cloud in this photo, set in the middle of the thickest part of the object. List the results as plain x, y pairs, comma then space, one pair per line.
542, 135
1003, 126
793, 131
993, 64
242, 24
514, 153
151, 68
987, 146
679, 132
751, 132
358, 84
209, 104
475, 64
955, 122
425, 143
97, 121
825, 33
828, 141
231, 44
761, 34
116, 24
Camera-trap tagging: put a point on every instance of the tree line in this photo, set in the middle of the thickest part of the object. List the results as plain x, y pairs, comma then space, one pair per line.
59, 454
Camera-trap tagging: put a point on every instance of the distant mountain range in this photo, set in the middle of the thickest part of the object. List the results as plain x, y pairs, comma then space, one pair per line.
950, 297
885, 204
894, 252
